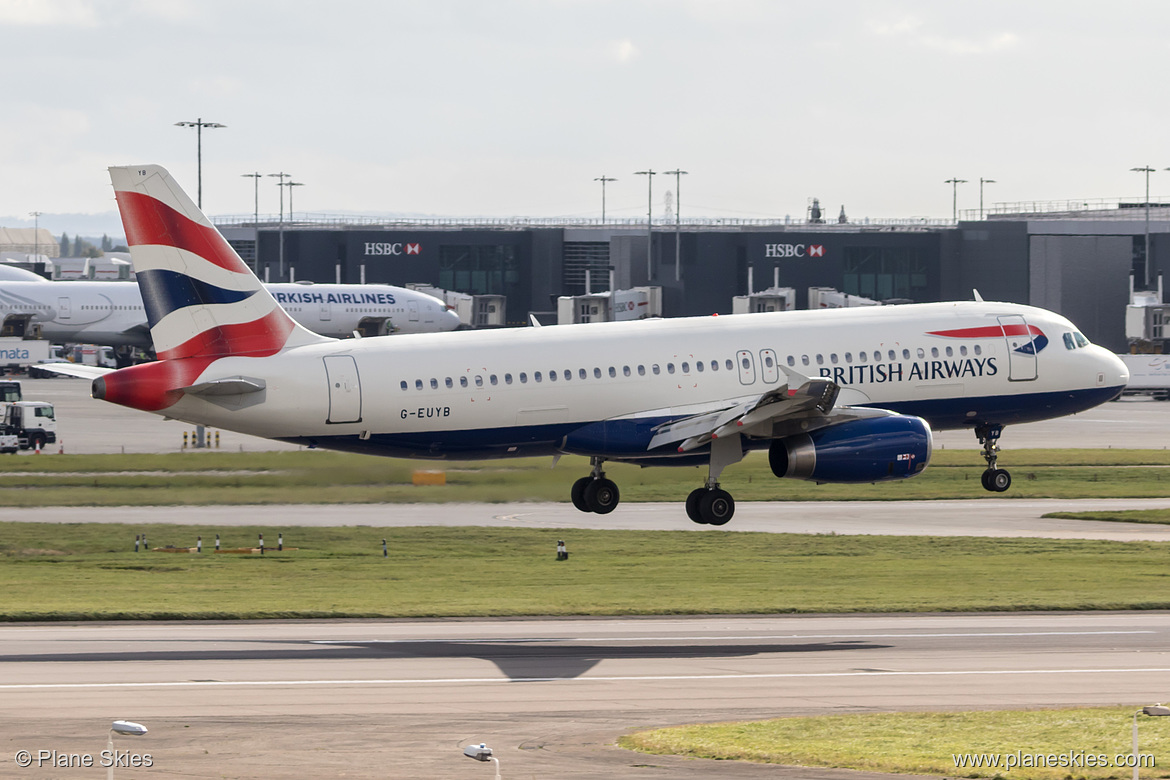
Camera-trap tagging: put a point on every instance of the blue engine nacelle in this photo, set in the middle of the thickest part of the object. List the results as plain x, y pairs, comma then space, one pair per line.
869, 450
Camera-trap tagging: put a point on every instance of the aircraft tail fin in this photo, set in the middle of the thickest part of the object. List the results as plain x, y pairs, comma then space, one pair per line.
201, 299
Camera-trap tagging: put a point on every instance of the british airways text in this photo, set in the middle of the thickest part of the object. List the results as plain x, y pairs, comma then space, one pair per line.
922, 371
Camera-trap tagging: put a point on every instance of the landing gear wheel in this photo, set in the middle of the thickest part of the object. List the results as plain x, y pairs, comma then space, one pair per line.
997, 480
602, 496
693, 501
717, 507
578, 493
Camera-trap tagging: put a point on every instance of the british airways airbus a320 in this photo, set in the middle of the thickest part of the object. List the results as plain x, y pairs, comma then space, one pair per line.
849, 395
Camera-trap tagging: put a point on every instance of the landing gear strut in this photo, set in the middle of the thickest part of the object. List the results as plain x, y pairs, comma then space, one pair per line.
710, 504
994, 479
595, 493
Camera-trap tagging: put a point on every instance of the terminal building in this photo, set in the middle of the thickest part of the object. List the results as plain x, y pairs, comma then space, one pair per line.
1073, 258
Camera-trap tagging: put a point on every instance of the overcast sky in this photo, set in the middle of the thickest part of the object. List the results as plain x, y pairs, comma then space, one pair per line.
514, 107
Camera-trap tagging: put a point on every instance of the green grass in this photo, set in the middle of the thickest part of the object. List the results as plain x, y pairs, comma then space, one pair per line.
315, 477
926, 743
89, 571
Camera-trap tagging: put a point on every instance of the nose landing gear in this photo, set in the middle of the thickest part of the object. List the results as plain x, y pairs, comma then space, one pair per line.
994, 479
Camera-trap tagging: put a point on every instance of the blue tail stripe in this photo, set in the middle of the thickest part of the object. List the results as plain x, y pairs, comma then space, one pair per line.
166, 291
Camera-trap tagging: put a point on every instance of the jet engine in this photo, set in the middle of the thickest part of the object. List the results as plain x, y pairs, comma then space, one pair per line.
867, 450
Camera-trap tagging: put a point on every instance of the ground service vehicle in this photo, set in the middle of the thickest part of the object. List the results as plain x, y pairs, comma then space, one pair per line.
33, 422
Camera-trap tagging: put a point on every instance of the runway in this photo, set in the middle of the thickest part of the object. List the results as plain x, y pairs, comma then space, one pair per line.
399, 698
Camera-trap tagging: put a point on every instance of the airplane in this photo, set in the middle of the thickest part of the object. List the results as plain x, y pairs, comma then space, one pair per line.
835, 396
112, 313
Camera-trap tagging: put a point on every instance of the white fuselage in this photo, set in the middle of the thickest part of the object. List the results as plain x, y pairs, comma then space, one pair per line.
535, 390
112, 313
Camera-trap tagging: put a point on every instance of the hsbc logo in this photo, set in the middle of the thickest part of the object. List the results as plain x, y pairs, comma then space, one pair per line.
395, 248
794, 250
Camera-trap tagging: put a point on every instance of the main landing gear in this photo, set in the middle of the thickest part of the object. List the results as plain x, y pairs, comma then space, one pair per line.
595, 493
994, 479
710, 504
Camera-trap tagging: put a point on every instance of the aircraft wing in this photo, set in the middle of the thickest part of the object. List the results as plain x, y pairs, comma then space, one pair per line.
765, 416
75, 369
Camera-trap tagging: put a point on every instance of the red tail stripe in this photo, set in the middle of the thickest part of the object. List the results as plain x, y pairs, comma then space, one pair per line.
988, 332
259, 338
149, 221
152, 387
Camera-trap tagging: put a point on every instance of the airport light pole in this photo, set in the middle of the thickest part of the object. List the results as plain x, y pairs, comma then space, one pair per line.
36, 215
282, 176
678, 174
983, 181
1154, 710
255, 220
603, 179
290, 185
199, 124
1147, 170
124, 727
649, 174
955, 182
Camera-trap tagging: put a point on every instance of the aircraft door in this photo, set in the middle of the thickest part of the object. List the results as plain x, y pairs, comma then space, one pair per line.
326, 311
413, 307
769, 368
746, 366
345, 390
64, 309
1021, 346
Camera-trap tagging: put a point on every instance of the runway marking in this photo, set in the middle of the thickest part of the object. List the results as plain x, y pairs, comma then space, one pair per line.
582, 678
723, 638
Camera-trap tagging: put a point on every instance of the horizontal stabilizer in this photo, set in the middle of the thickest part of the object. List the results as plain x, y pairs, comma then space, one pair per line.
74, 369
235, 385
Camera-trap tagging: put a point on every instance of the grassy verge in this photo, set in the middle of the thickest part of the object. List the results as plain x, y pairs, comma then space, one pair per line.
312, 477
1155, 516
89, 571
928, 743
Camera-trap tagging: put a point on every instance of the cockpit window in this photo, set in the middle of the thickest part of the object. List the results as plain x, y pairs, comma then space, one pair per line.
1081, 340
1069, 343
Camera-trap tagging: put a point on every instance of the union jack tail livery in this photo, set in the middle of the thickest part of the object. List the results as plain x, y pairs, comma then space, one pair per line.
202, 302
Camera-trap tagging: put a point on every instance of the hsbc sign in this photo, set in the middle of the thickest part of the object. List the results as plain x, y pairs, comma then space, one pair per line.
395, 248
794, 250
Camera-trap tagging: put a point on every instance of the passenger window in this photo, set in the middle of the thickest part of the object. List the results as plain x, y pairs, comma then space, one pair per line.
523, 378
493, 380
404, 385
849, 357
552, 376
641, 370
804, 360
820, 361
582, 374
791, 360
963, 350
950, 352
507, 379
714, 365
434, 383
535, 376
596, 373
612, 372
670, 368
877, 356
698, 365
448, 383
862, 356
478, 381
905, 354
978, 350
934, 351
893, 356
418, 384
686, 367
729, 365
655, 369
463, 381
833, 358
921, 353
626, 370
